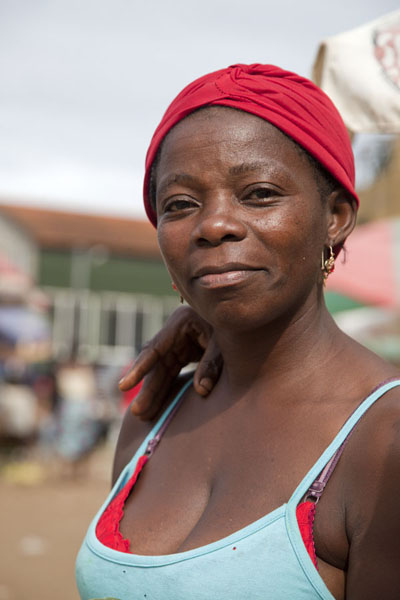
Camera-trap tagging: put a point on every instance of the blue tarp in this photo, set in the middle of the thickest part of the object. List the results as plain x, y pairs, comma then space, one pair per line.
19, 324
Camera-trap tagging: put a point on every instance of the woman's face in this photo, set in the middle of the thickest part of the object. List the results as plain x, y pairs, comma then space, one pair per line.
241, 224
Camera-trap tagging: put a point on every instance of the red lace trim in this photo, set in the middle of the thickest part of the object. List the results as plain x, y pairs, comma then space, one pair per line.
108, 533
107, 530
305, 514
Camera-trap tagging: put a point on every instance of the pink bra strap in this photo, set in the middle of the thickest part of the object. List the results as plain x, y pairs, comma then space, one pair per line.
317, 487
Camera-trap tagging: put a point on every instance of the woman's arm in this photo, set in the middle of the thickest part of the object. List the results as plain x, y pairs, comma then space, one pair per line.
373, 516
185, 338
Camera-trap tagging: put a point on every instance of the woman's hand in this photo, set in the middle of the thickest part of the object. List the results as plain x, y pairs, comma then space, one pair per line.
185, 338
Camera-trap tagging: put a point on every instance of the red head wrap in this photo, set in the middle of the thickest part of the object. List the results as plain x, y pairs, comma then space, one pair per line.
290, 102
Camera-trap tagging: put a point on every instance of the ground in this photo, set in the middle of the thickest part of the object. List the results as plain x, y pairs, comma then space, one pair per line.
43, 521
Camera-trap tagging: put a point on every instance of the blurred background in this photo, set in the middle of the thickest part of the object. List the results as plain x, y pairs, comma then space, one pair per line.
82, 283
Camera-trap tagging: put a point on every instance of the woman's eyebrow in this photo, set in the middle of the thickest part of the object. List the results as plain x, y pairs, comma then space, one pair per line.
246, 167
177, 178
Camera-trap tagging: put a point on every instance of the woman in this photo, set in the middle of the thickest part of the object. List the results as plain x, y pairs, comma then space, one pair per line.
250, 181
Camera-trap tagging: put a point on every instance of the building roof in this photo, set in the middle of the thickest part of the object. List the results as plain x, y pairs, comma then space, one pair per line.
66, 230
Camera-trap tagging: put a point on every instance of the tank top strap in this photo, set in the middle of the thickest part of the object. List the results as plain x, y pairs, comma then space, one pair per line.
154, 438
150, 442
316, 479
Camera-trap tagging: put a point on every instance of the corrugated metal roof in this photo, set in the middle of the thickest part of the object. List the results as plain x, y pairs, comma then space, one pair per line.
57, 229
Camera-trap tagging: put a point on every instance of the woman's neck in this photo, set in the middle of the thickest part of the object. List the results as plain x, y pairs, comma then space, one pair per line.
283, 349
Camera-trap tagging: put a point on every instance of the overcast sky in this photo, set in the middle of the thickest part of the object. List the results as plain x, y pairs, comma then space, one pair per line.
85, 82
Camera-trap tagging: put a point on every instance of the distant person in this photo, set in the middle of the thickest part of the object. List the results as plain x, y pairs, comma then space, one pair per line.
285, 483
18, 405
79, 428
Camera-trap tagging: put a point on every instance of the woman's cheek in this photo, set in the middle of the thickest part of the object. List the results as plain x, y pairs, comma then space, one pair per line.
169, 247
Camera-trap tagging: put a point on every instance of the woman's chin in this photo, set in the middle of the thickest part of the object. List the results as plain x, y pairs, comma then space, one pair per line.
235, 317
252, 312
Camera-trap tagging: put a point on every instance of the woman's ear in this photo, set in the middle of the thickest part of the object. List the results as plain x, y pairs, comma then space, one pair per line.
342, 216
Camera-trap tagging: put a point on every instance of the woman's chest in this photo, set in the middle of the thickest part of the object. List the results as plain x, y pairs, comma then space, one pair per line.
195, 491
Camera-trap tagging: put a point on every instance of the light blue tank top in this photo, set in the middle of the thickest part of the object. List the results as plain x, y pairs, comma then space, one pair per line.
266, 560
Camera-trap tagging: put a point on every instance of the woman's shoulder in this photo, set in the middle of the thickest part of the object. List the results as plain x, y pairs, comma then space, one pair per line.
134, 429
373, 453
378, 427
371, 495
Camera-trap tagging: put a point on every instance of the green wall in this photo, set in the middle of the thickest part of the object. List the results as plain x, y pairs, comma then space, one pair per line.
54, 268
113, 273
337, 302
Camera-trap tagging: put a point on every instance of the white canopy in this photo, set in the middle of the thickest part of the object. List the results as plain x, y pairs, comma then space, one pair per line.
360, 72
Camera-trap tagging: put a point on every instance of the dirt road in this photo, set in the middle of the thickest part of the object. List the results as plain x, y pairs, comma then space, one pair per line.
42, 526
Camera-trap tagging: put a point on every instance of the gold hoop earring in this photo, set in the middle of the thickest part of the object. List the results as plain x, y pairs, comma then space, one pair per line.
327, 264
176, 289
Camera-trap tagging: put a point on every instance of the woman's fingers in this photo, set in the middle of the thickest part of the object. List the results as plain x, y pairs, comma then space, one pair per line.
185, 338
154, 391
208, 369
142, 365
182, 332
159, 347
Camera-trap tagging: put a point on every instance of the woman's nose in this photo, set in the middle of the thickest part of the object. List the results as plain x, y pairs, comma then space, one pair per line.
219, 223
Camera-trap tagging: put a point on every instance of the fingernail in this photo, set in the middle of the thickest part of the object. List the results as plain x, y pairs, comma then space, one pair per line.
206, 383
121, 380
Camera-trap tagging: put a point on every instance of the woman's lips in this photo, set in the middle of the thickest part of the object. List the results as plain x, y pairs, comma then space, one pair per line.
227, 278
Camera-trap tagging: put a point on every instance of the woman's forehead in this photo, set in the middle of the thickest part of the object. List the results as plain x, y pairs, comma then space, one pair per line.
244, 142
220, 119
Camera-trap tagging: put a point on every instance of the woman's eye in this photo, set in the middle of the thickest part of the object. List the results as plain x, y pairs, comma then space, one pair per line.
178, 204
261, 194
